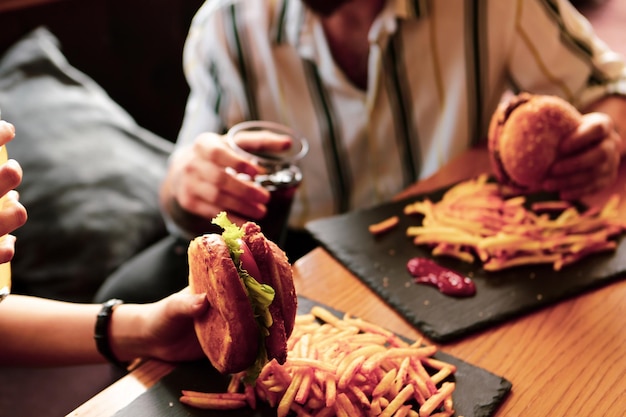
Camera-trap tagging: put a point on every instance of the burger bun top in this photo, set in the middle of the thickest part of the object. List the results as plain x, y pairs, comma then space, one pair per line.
525, 133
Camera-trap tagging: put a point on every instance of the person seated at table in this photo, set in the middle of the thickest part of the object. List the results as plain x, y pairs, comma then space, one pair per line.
41, 332
386, 92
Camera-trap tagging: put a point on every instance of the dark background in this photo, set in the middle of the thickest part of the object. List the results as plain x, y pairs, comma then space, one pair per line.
132, 48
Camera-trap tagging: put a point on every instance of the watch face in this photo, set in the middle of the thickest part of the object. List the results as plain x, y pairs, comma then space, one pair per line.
101, 335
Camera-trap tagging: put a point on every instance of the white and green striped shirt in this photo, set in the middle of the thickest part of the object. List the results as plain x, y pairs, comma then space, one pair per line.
437, 69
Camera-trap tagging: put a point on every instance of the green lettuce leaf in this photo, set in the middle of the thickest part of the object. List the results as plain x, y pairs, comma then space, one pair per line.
232, 235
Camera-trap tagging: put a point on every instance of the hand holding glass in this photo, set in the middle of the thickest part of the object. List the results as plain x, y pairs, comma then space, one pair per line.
281, 177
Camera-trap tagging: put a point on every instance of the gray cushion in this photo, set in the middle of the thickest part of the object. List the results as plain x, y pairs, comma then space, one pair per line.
91, 174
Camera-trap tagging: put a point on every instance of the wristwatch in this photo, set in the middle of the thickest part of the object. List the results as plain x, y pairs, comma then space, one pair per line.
101, 333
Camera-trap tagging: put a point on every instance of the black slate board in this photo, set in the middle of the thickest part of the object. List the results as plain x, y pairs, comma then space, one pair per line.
380, 262
478, 392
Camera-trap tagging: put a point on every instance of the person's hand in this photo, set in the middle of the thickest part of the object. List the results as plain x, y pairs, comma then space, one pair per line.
7, 132
12, 214
589, 158
162, 330
203, 178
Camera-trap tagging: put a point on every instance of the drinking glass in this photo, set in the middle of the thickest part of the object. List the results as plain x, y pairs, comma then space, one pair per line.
282, 176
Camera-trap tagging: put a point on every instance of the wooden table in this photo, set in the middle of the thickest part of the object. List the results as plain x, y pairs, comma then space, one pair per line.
565, 360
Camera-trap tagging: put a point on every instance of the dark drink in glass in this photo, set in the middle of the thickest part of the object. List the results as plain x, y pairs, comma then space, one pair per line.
282, 187
281, 177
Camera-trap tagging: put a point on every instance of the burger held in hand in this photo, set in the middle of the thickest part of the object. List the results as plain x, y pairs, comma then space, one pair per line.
524, 138
249, 285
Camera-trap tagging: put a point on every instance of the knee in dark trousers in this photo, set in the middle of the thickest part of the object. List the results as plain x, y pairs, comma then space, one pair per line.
158, 271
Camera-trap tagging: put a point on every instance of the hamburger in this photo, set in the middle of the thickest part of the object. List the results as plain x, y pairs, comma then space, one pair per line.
249, 285
524, 136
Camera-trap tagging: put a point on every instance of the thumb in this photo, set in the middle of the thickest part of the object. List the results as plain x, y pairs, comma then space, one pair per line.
197, 304
189, 305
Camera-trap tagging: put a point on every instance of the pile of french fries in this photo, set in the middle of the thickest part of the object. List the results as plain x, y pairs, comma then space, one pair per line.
344, 367
475, 220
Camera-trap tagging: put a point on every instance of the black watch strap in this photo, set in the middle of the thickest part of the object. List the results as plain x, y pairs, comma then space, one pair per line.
101, 333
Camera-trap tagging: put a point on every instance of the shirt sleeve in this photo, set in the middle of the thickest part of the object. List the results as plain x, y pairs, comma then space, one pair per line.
556, 51
212, 75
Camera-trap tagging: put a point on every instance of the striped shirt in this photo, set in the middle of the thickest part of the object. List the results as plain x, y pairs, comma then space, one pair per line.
437, 70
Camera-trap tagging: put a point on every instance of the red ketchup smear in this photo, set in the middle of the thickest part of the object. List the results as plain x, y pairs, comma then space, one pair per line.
426, 271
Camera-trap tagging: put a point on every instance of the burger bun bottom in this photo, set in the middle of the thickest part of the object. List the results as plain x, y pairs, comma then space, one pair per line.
228, 332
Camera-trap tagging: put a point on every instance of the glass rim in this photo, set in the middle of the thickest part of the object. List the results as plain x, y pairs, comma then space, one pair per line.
292, 155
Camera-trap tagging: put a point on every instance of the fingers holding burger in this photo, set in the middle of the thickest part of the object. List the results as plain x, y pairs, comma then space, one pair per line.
543, 143
589, 158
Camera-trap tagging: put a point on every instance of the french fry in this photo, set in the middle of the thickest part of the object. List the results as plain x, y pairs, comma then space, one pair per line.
435, 400
348, 373
456, 251
362, 399
233, 385
330, 386
214, 395
213, 401
550, 206
384, 226
302, 395
342, 367
345, 407
385, 384
289, 395
398, 401
475, 219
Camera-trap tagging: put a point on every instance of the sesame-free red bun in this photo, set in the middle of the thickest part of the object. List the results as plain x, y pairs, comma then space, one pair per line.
524, 137
249, 285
